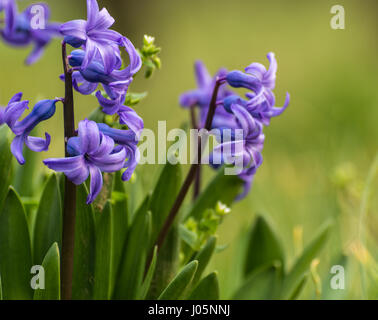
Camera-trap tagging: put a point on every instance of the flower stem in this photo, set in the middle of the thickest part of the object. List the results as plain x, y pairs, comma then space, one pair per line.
69, 205
190, 177
197, 182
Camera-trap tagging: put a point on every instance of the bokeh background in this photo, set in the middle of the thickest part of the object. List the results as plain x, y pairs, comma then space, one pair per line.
317, 154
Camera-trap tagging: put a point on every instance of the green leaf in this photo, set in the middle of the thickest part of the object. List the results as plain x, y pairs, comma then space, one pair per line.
180, 283
302, 264
84, 252
203, 258
48, 221
299, 287
163, 197
148, 278
262, 284
120, 225
103, 268
167, 263
5, 162
51, 265
207, 288
130, 275
15, 249
223, 188
26, 177
264, 247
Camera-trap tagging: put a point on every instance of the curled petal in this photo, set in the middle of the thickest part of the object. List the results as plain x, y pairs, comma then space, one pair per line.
14, 111
86, 87
133, 157
38, 144
277, 111
270, 75
95, 184
130, 118
17, 148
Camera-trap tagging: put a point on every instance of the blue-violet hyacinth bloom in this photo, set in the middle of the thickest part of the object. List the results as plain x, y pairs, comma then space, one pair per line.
247, 148
201, 96
18, 30
94, 34
261, 102
42, 111
129, 141
92, 152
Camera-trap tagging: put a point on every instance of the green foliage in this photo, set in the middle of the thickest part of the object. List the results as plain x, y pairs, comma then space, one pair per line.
207, 288
15, 249
264, 247
134, 258
177, 287
264, 274
223, 188
48, 221
84, 252
5, 162
51, 265
103, 255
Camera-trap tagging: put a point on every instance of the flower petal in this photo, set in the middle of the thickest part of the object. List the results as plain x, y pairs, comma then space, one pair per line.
38, 144
89, 136
75, 29
17, 148
95, 184
130, 118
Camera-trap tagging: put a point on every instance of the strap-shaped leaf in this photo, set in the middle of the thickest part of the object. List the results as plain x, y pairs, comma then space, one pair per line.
15, 249
222, 188
51, 266
5, 162
264, 247
120, 224
180, 283
207, 288
130, 275
164, 196
302, 264
84, 252
203, 257
48, 221
103, 269
148, 278
262, 284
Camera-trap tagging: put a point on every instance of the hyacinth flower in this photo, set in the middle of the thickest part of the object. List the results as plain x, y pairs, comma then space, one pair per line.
201, 96
92, 152
248, 147
19, 32
261, 101
129, 141
10, 115
96, 37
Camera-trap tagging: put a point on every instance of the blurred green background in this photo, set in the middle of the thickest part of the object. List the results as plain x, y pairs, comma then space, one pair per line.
317, 154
